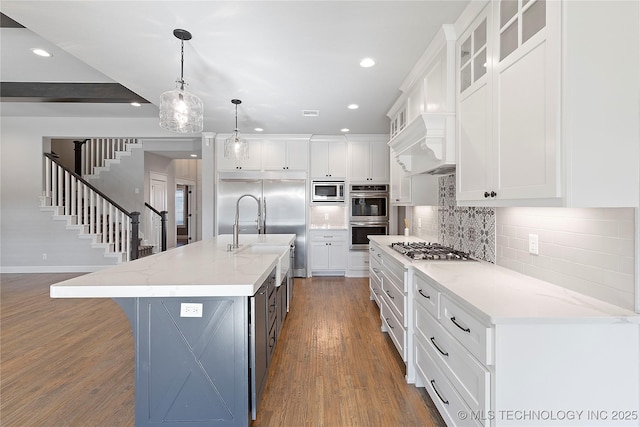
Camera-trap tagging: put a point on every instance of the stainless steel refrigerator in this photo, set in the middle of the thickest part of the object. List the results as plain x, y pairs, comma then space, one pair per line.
284, 204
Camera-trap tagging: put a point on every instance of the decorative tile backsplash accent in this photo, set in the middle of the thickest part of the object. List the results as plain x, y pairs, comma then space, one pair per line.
468, 229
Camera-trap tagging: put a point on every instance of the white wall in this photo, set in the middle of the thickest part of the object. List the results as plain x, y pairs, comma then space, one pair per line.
25, 231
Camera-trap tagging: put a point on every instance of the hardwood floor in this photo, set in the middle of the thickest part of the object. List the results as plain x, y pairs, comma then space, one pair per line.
69, 362
64, 362
333, 367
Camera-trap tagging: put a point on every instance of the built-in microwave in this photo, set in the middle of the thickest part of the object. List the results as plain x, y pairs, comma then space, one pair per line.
327, 191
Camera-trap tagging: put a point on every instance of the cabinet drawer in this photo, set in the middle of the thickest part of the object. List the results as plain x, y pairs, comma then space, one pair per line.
442, 392
470, 379
395, 298
397, 333
427, 295
376, 288
329, 236
469, 331
395, 270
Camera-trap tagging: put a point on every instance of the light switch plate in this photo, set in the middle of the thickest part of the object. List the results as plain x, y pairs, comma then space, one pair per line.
533, 244
190, 309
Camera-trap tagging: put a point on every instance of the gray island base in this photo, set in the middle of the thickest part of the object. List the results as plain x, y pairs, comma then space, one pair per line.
202, 343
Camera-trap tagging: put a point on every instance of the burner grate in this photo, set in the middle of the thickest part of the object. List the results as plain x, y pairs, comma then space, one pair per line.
430, 251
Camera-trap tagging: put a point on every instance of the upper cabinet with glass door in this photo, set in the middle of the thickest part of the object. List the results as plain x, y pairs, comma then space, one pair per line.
546, 115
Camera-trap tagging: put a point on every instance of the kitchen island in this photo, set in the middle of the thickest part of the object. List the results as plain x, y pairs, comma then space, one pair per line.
203, 325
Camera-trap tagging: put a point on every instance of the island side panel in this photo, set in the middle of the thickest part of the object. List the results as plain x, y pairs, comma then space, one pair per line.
190, 371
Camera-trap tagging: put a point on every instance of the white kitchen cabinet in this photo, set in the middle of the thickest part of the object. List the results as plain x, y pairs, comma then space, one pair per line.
358, 263
553, 120
252, 163
389, 287
369, 158
285, 154
328, 252
328, 157
416, 190
485, 341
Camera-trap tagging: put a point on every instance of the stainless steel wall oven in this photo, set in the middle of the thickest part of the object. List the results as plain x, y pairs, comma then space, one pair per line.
368, 213
358, 232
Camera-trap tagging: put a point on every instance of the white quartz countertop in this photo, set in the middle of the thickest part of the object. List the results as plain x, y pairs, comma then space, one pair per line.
199, 269
500, 295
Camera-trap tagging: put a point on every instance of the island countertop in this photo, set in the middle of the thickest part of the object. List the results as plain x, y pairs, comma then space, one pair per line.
199, 269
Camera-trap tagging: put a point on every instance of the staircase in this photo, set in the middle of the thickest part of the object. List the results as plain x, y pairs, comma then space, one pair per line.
72, 199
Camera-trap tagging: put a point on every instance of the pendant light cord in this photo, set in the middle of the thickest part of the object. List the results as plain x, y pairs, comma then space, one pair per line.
181, 64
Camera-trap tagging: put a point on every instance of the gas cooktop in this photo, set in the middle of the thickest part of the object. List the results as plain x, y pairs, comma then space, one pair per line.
430, 251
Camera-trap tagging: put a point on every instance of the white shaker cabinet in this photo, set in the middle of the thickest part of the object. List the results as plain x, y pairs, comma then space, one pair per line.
328, 157
547, 105
253, 162
369, 158
285, 154
328, 252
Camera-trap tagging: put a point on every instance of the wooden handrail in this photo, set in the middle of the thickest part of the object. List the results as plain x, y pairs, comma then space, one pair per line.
85, 182
153, 209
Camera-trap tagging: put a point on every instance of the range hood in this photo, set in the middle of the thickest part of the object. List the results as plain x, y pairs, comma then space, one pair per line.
426, 145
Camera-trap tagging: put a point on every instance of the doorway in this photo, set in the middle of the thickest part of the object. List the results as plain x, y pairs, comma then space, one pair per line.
185, 197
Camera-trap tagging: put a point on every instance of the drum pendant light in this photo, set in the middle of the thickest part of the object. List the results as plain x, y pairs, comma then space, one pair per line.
235, 147
181, 111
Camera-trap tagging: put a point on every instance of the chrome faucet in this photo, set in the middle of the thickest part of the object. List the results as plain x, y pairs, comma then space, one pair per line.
236, 226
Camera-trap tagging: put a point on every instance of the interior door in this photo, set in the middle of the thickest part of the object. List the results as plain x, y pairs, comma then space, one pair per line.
158, 199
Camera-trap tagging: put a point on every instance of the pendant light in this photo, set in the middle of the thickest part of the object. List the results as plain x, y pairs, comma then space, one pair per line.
181, 111
235, 147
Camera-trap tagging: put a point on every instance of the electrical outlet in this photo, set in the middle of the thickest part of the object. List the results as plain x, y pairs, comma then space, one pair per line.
44, 256
326, 216
419, 222
190, 309
533, 244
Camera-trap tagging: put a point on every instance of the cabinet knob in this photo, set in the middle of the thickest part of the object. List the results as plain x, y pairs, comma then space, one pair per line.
490, 194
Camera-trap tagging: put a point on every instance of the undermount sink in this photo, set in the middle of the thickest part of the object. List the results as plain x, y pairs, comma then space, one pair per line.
281, 251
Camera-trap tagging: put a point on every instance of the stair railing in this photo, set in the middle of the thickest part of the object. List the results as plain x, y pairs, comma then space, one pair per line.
157, 221
90, 208
96, 151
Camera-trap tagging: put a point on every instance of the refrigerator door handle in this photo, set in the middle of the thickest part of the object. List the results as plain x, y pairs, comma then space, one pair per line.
264, 215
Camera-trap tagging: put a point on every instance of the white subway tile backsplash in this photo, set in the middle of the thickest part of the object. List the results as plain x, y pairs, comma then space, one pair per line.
591, 251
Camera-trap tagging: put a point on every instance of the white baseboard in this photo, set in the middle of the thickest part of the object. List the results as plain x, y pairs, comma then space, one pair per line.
53, 268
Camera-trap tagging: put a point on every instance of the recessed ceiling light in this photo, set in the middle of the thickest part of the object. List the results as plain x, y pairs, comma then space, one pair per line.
258, 129
353, 106
344, 130
41, 52
136, 104
367, 62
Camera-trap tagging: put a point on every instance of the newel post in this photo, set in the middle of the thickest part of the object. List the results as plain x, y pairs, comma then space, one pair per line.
135, 225
163, 222
77, 163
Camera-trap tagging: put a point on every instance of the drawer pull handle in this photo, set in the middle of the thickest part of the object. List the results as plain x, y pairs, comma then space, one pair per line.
433, 384
433, 341
467, 330
389, 324
390, 296
426, 296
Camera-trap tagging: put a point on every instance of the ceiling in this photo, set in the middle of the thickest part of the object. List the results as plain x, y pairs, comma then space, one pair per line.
278, 57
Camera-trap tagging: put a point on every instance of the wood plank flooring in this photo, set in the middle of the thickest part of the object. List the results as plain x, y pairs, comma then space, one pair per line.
69, 362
